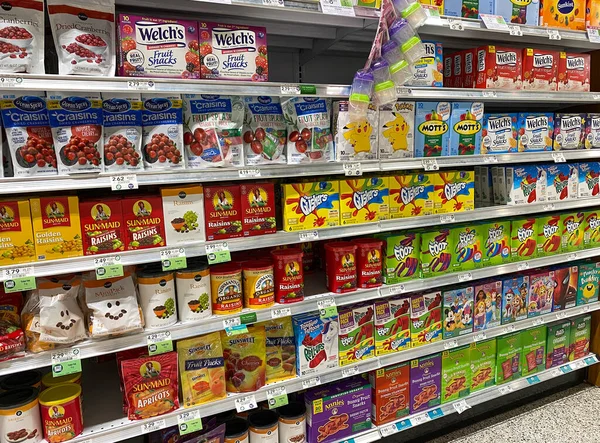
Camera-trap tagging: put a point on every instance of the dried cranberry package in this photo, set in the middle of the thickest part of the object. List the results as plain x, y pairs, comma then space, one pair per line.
84, 36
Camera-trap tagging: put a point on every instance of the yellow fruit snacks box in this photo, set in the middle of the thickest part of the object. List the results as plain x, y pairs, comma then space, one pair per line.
16, 233
311, 205
454, 191
411, 194
563, 14
56, 227
364, 200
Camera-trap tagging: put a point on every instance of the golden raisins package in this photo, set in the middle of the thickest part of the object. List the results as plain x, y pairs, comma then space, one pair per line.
281, 352
245, 356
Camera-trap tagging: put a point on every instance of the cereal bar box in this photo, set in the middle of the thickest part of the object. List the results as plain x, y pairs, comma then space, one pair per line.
428, 70
431, 134
316, 343
396, 130
591, 229
425, 382
565, 290
364, 200
402, 256
569, 131
558, 343
549, 234
390, 393
535, 131
425, 318
354, 139
499, 68
562, 182
494, 243
458, 312
437, 252
17, 244
508, 358
454, 192
533, 341
579, 340
465, 128
392, 325
514, 299
524, 234
311, 205
488, 305
588, 281
592, 131
467, 247
526, 184
573, 231
499, 133
456, 374
574, 69
541, 291
589, 179
411, 194
483, 364
540, 69
563, 14
356, 341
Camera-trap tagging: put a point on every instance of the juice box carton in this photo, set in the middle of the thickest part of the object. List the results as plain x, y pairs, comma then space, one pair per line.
455, 190
448, 74
425, 382
457, 65
458, 312
540, 69
233, 52
355, 139
396, 130
526, 184
499, 133
588, 280
508, 358
183, 209
483, 364
402, 256
311, 205
558, 14
17, 241
579, 340
524, 234
392, 325
437, 252
514, 299
461, 8
535, 131
465, 128
469, 78
434, 4
411, 194
569, 131
574, 70
427, 71
258, 208
316, 343
541, 290
488, 305
591, 229
589, 174
573, 231
223, 212
565, 290
592, 131
102, 227
57, 227
467, 250
522, 13
495, 243
356, 341
557, 343
549, 234
364, 200
432, 129
390, 393
425, 318
351, 398
456, 374
499, 68
533, 341
144, 222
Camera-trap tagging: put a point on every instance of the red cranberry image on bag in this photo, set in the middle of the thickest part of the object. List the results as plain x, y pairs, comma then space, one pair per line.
22, 36
162, 126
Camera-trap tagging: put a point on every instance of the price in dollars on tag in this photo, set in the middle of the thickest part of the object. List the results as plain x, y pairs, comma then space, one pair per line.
18, 279
172, 259
66, 362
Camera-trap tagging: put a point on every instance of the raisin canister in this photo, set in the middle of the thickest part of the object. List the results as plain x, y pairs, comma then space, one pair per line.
368, 262
259, 288
340, 266
61, 412
289, 275
226, 288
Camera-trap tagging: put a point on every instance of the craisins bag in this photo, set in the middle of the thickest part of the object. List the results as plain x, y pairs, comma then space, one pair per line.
122, 132
84, 36
22, 36
265, 131
162, 129
12, 338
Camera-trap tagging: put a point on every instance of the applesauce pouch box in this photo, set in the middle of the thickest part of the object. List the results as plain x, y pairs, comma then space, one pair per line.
425, 318
456, 374
483, 364
541, 293
428, 70
183, 209
16, 233
533, 359
588, 281
569, 131
565, 289
258, 208
356, 341
494, 243
437, 252
508, 358
468, 252
535, 131
57, 227
392, 325
514, 299
526, 184
523, 242
579, 340
573, 231
425, 383
487, 305
311, 205
562, 181
499, 133
316, 343
364, 200
390, 393
574, 69
549, 234
432, 129
557, 343
402, 256
465, 128
223, 212
411, 194
591, 229
396, 130
458, 312
454, 192
144, 222
522, 13
102, 227
589, 175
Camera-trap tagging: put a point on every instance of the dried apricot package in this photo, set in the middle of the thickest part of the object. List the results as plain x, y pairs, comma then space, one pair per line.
245, 356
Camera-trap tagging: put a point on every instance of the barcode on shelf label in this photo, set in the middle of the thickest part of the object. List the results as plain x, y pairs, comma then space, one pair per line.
479, 337
188, 415
461, 406
455, 25
173, 259
65, 355
559, 157
515, 30
579, 364
245, 403
505, 390
523, 266
66, 362
349, 372
353, 169
593, 34
561, 315
508, 329
430, 164
290, 90
396, 289
553, 34
123, 182
538, 321
217, 252
308, 236
549, 207
249, 173
449, 344
436, 413
108, 266
465, 277
141, 85
311, 382
19, 284
596, 96
153, 426
421, 418
495, 22
23, 271
447, 218
281, 312
490, 159
337, 7
189, 422
556, 373
159, 343
327, 308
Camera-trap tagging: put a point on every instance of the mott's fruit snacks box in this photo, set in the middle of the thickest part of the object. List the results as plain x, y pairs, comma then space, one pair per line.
573, 231
520, 12
16, 233
557, 343
591, 229
535, 131
431, 129
425, 383
467, 247
437, 252
454, 191
525, 184
563, 14
549, 234
390, 393
428, 70
316, 343
425, 318
533, 341
311, 205
494, 243
499, 133
483, 364
579, 339
396, 130
411, 194
574, 69
465, 128
364, 200
508, 358
402, 256
456, 374
458, 312
587, 285
589, 177
392, 325
523, 243
356, 341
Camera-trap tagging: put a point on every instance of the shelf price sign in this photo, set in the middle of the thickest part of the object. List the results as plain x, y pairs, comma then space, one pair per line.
189, 422
245, 403
173, 259
123, 182
218, 253
18, 279
277, 397
66, 362
159, 343
327, 308
337, 7
109, 266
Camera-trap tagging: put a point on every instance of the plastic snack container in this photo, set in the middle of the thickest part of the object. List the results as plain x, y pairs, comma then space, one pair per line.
413, 50
385, 91
401, 5
415, 15
391, 52
401, 31
401, 72
360, 95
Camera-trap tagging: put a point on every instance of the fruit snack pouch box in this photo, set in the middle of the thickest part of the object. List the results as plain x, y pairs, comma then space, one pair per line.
411, 194
514, 299
558, 343
557, 14
465, 128
316, 343
17, 244
437, 252
102, 226
356, 340
499, 68
588, 282
468, 252
396, 137
264, 132
573, 224
521, 13
508, 358
524, 234
364, 200
448, 71
541, 293
355, 139
549, 234
311, 205
458, 312
565, 289
457, 66
569, 131
456, 374
591, 229
589, 178
488, 305
592, 131
425, 318
494, 243
223, 212
454, 191
562, 181
579, 340
432, 129
483, 364
526, 184
574, 69
533, 359
499, 133
535, 131
540, 69
392, 325
402, 256
390, 393
461, 8
428, 70
425, 382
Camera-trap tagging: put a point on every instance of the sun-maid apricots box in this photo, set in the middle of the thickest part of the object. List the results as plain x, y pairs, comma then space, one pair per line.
16, 233
57, 227
143, 217
223, 212
311, 205
563, 14
390, 393
102, 226
364, 200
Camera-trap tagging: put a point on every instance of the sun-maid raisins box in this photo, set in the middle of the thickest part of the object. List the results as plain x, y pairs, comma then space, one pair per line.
508, 358
533, 341
16, 234
390, 393
364, 200
102, 226
223, 212
579, 340
483, 364
258, 208
183, 209
425, 382
143, 217
401, 256
411, 194
425, 318
456, 374
57, 228
432, 129
392, 325
311, 205
557, 343
465, 128
588, 281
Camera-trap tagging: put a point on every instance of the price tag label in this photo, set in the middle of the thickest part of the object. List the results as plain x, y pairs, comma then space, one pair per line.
515, 30
436, 413
572, 256
141, 85
549, 207
189, 421
278, 3
505, 390
596, 96
585, 309
465, 277
290, 90
218, 252
123, 182
277, 397
461, 406
245, 403
455, 25
556, 373
490, 159
479, 337
159, 343
591, 360
421, 418
508, 329
430, 164
560, 315
353, 169
281, 312
109, 266
11, 82
538, 321
388, 430
19, 279
236, 330
249, 173
349, 372
231, 322
337, 7
566, 368
308, 236
447, 218
489, 94
533, 379
523, 266
449, 344
311, 382
66, 362
327, 308
153, 426
578, 364
593, 35
400, 91
403, 424
172, 259
553, 34
495, 22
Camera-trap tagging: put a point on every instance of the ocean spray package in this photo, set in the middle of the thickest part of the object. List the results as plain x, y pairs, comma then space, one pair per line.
122, 132
265, 131
162, 131
396, 130
354, 139
26, 41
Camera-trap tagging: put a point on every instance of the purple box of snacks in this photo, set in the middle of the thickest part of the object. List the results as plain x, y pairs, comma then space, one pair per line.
425, 382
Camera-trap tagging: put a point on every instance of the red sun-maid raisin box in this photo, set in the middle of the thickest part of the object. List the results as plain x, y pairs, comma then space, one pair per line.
574, 72
102, 226
499, 67
540, 69
258, 208
222, 212
143, 219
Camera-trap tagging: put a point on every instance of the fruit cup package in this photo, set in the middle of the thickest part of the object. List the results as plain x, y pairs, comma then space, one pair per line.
392, 327
461, 8
390, 393
84, 36
122, 116
495, 243
258, 208
522, 13
354, 139
483, 364
309, 134
265, 131
311, 205
213, 130
591, 229
569, 131
527, 184
425, 382
162, 131
488, 305
281, 350
425, 318
508, 358
183, 209
467, 247
411, 194
102, 226
428, 70
396, 130
458, 312
557, 343
499, 133
316, 343
579, 340
437, 252
541, 290
592, 131
535, 131
562, 182
514, 299
560, 14
223, 212
26, 121
364, 200
143, 218
23, 45
499, 68
533, 341
574, 70
524, 234
540, 69
573, 225
157, 47
588, 281
456, 374
431, 129
244, 355
565, 290
17, 245
465, 128
454, 191
401, 256
233, 52
549, 234
356, 341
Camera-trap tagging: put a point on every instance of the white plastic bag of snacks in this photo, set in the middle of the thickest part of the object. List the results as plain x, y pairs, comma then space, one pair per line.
22, 36
76, 122
213, 130
309, 134
162, 128
122, 132
265, 131
25, 118
84, 36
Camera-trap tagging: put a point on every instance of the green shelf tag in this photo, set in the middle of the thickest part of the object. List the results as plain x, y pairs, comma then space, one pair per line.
218, 253
172, 264
248, 318
109, 271
66, 362
159, 343
20, 284
277, 397
308, 89
189, 422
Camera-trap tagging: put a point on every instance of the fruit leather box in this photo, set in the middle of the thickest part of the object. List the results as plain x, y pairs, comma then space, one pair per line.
337, 411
